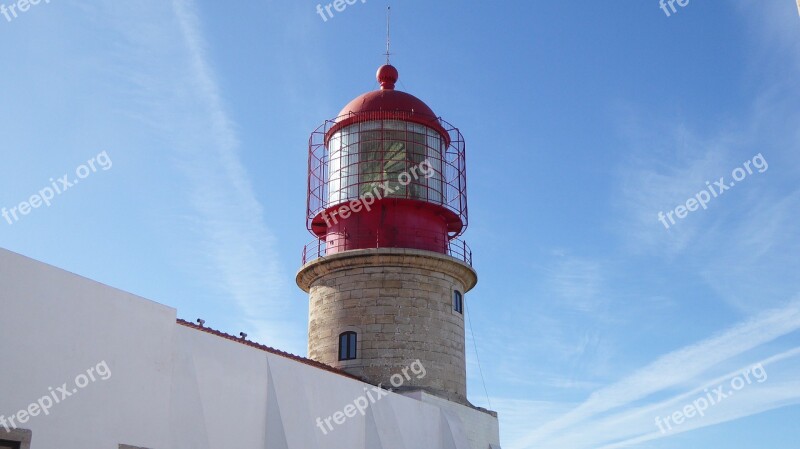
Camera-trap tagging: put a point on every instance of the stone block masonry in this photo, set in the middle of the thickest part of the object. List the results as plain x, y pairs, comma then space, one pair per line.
399, 302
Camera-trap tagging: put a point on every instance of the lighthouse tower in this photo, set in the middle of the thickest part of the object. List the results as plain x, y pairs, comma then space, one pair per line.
386, 273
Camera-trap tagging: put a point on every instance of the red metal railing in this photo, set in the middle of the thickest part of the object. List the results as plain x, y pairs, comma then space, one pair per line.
411, 238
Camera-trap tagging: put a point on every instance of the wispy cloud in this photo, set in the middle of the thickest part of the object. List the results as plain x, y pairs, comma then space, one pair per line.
686, 366
742, 245
240, 245
636, 425
743, 248
577, 282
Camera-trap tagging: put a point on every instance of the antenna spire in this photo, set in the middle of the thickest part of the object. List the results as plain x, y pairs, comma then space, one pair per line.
388, 32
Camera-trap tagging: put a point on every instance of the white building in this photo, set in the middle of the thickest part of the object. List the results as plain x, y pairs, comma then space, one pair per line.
160, 383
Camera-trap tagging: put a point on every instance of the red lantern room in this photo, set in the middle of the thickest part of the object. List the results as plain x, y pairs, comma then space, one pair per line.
387, 173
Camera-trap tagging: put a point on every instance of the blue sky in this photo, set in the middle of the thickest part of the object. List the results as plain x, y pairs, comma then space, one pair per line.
583, 121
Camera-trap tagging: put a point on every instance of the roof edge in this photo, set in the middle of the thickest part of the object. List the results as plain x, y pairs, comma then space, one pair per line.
268, 349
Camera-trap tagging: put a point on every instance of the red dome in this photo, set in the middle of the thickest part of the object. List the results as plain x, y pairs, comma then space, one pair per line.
388, 103
387, 99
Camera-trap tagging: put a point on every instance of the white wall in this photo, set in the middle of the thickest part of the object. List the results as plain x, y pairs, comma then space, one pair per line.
174, 387
55, 325
480, 427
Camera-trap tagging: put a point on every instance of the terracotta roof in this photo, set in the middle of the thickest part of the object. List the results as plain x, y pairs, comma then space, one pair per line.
252, 344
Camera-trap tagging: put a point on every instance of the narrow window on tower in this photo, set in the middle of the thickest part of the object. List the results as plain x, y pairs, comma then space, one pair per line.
347, 345
5, 444
458, 301
15, 438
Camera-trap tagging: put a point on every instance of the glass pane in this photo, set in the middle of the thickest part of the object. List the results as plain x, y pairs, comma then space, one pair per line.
335, 164
434, 158
352, 346
343, 148
342, 347
387, 155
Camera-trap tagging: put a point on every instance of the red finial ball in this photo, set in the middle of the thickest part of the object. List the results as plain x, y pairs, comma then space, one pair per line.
387, 76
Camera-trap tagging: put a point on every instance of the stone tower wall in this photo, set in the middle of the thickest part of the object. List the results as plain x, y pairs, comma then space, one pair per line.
400, 303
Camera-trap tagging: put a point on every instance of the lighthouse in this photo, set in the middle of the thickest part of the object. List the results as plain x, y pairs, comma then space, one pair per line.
386, 273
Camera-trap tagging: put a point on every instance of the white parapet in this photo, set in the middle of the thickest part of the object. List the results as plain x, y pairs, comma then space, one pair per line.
480, 427
126, 374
